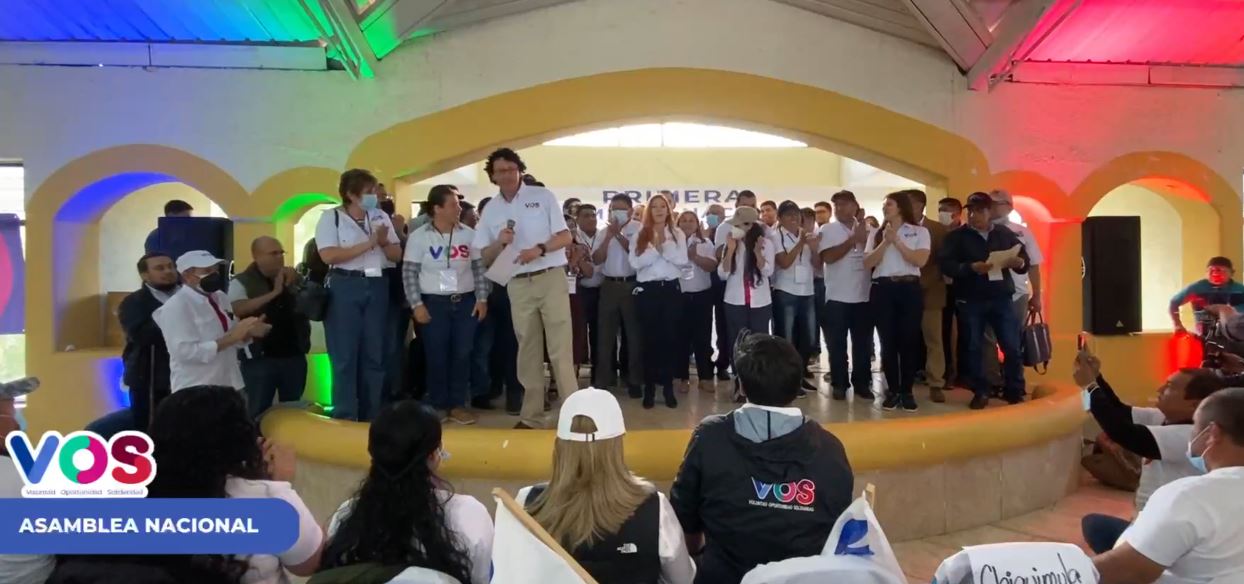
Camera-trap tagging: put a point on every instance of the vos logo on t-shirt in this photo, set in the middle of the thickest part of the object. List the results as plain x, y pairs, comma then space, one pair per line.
532, 205
455, 252
802, 492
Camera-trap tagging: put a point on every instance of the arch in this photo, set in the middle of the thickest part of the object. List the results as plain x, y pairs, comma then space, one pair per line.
63, 216
284, 198
822, 118
1180, 179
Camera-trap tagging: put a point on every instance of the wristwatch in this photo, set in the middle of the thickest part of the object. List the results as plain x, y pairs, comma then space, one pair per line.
543, 249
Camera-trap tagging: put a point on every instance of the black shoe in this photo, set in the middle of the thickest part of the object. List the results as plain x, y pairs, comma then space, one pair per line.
840, 394
513, 411
482, 403
524, 426
802, 393
553, 395
1015, 400
909, 403
723, 375
649, 402
979, 401
891, 402
635, 391
808, 385
864, 393
548, 406
670, 400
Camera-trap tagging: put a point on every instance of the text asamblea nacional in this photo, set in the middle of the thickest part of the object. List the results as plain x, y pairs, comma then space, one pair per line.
158, 525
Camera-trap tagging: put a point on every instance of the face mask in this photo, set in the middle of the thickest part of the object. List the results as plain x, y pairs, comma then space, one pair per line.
620, 216
1198, 462
945, 217
369, 201
388, 207
737, 232
713, 221
211, 283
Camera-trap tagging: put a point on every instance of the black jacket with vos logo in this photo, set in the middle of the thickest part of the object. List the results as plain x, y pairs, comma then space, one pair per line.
760, 501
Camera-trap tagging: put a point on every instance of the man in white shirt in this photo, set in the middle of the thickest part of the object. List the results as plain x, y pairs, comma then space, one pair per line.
847, 287
1191, 531
530, 218
588, 287
617, 297
794, 303
199, 328
1027, 295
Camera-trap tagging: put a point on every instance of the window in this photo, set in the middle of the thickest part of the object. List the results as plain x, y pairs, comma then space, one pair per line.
675, 135
13, 201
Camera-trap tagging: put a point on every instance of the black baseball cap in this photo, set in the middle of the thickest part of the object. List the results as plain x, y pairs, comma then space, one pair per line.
788, 207
978, 200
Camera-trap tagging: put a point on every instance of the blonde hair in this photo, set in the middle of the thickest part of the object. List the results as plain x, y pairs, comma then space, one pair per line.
591, 493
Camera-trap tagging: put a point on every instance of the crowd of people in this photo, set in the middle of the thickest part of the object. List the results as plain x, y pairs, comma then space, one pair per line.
634, 300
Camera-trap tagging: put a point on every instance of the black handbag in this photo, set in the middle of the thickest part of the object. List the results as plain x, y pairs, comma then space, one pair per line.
1036, 342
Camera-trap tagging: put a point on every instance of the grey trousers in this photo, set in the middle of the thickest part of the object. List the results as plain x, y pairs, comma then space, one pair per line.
989, 345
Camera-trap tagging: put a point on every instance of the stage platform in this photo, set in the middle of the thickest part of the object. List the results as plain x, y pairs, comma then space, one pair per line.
942, 469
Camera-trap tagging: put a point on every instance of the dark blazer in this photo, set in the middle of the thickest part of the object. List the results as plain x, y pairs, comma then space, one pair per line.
931, 281
965, 246
145, 355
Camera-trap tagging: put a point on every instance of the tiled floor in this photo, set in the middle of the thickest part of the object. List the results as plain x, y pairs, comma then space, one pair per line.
695, 405
1061, 522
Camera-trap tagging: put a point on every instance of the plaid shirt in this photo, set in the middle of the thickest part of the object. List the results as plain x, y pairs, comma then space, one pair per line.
410, 281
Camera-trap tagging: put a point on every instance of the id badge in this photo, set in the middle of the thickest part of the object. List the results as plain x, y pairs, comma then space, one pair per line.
803, 274
448, 281
571, 283
372, 273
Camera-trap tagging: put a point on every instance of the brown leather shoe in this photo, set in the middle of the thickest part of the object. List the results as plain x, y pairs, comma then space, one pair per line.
462, 416
937, 395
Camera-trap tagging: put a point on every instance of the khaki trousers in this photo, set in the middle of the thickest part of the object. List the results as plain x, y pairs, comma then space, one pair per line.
541, 313
935, 354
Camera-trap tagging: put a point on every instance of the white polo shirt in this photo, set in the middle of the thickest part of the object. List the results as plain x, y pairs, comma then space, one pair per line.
1193, 527
797, 279
666, 263
590, 242
737, 292
537, 216
617, 264
892, 262
846, 280
1172, 441
695, 278
337, 229
1022, 285
269, 569
444, 259
191, 327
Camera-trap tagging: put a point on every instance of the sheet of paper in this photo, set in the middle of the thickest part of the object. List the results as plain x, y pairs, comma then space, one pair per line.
1031, 562
998, 259
504, 267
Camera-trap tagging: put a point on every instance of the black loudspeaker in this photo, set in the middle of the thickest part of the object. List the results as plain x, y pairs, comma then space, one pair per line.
214, 235
1111, 275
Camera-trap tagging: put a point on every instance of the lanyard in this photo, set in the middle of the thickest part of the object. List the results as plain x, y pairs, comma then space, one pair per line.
784, 232
449, 248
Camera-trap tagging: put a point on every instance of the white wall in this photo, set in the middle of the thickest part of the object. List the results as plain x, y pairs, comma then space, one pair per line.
257, 123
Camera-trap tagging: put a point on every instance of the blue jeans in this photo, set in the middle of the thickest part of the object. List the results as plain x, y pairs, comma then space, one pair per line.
447, 341
357, 330
481, 358
112, 424
998, 313
794, 319
266, 377
1101, 532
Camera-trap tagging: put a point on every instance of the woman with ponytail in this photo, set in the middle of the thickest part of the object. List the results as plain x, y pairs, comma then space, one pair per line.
404, 515
659, 255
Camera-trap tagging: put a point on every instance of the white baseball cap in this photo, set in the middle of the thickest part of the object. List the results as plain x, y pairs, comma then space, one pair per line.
197, 259
597, 404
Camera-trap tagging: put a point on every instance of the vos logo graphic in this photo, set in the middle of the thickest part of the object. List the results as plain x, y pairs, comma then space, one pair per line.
83, 464
456, 252
532, 205
802, 492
